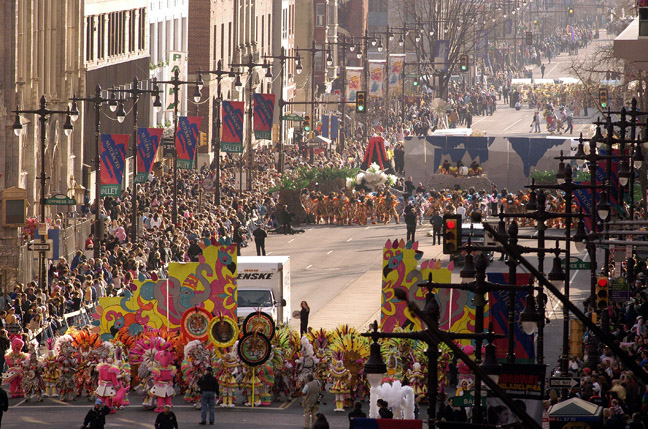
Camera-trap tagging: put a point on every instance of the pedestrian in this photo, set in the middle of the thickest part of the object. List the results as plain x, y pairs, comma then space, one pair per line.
4, 403
383, 410
357, 413
535, 124
166, 419
320, 422
437, 227
542, 70
570, 123
209, 389
96, 417
5, 344
259, 239
303, 318
286, 219
410, 221
310, 400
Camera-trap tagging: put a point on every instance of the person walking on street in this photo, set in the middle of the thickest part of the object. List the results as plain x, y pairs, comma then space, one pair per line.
535, 124
166, 419
209, 389
570, 123
410, 221
310, 400
259, 239
356, 413
96, 417
286, 220
437, 226
542, 70
303, 318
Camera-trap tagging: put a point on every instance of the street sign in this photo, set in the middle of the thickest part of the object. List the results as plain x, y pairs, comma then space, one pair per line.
292, 118
563, 382
411, 75
577, 264
168, 147
60, 200
38, 247
466, 400
619, 290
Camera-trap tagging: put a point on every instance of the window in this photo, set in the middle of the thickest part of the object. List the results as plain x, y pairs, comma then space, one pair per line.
222, 43
215, 54
141, 39
320, 14
90, 38
101, 37
262, 34
132, 25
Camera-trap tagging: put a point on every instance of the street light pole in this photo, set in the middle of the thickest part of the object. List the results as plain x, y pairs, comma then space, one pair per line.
43, 113
135, 93
250, 65
216, 118
176, 82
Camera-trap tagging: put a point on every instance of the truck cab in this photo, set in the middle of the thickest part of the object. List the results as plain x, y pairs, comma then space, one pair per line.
253, 300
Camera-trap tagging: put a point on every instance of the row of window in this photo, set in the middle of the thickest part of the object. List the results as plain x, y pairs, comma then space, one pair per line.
115, 33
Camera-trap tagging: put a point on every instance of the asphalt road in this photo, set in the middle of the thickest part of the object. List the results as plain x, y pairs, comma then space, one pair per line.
506, 121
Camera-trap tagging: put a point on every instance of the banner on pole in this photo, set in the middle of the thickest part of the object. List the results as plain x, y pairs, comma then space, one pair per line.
395, 72
325, 126
441, 54
263, 115
113, 154
354, 82
376, 77
148, 141
186, 140
334, 127
232, 119
177, 61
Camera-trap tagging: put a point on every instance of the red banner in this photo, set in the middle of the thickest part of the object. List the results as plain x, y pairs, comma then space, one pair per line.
186, 140
232, 115
112, 156
263, 115
148, 141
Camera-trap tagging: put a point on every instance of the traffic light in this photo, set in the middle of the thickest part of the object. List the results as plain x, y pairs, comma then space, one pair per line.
306, 125
463, 63
570, 11
602, 293
416, 82
536, 22
603, 97
451, 234
529, 38
361, 98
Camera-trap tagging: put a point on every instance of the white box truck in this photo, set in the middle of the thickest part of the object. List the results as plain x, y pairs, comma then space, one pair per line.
264, 284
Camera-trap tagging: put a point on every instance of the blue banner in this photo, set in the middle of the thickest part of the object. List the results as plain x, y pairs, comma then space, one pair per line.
186, 140
325, 126
334, 127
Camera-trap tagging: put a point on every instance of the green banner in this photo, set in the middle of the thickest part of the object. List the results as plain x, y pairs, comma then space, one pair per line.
185, 164
232, 147
110, 190
263, 135
141, 178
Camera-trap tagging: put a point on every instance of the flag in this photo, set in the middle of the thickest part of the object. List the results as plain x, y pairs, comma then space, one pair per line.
113, 153
186, 140
148, 141
376, 78
263, 115
334, 127
395, 72
232, 119
325, 126
354, 82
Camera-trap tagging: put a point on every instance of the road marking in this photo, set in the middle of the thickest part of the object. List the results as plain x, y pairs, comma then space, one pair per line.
269, 253
512, 125
351, 238
309, 266
367, 227
287, 404
554, 67
329, 252
291, 240
20, 403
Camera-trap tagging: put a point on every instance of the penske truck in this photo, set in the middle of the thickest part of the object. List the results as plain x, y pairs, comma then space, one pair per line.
263, 283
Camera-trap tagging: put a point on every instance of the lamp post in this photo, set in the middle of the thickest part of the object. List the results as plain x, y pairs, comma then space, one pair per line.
176, 82
282, 63
43, 114
98, 100
251, 65
216, 118
135, 93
